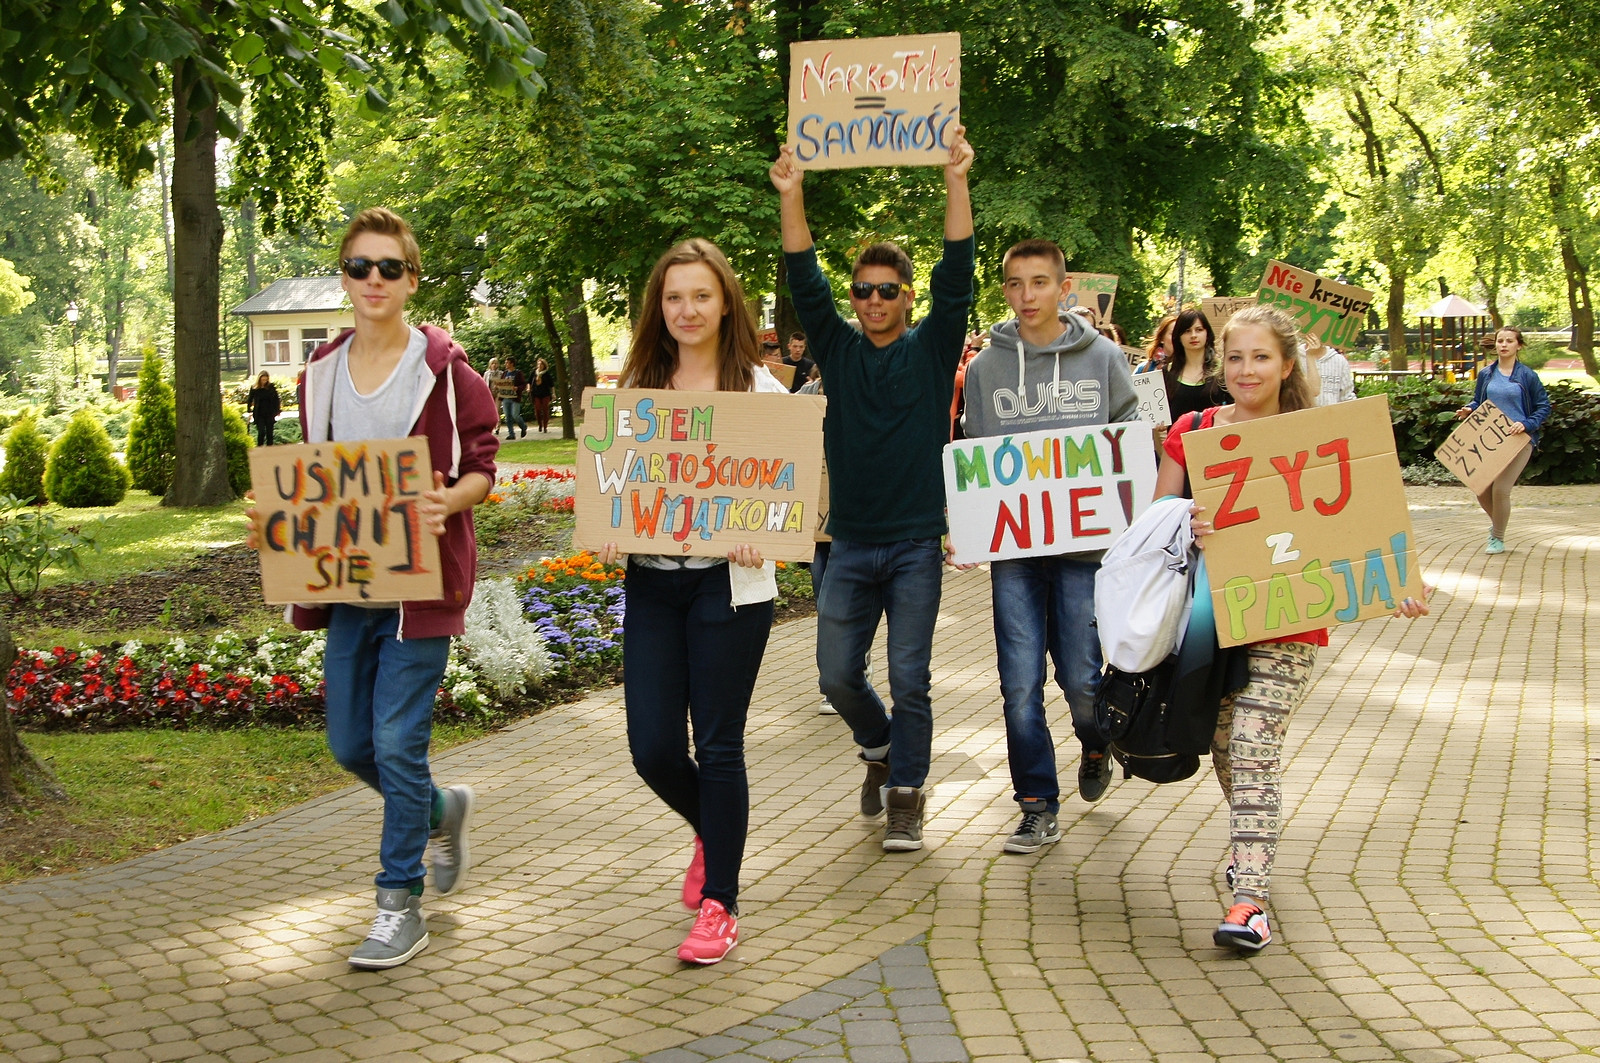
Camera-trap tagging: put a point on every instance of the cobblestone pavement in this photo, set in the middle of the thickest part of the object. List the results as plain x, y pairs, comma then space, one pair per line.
1435, 890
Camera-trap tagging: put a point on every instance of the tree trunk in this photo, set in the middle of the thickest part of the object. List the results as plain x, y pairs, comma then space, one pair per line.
1398, 356
580, 352
563, 378
1580, 303
200, 461
247, 241
21, 775
166, 205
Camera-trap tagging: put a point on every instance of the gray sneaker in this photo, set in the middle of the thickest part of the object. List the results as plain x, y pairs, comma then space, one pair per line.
903, 831
451, 857
872, 786
398, 933
1037, 829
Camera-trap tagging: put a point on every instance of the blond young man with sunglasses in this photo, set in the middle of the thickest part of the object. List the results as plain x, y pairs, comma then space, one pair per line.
889, 392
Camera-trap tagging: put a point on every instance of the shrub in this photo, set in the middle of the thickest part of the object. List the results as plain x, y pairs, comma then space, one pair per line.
153, 433
81, 470
236, 441
1537, 354
500, 640
26, 453
287, 430
30, 542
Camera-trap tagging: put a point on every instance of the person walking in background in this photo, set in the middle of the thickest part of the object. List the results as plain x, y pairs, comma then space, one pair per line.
1335, 382
1263, 374
1192, 383
795, 357
491, 377
889, 392
1046, 370
512, 387
384, 660
541, 388
264, 404
1520, 395
1159, 350
697, 626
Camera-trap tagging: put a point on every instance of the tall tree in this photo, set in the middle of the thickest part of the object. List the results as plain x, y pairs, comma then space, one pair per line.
107, 70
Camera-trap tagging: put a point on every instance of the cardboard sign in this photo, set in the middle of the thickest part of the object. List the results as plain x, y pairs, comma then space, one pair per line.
699, 472
1218, 310
1152, 391
784, 373
877, 101
340, 522
1311, 522
1038, 494
1320, 307
1096, 291
1481, 447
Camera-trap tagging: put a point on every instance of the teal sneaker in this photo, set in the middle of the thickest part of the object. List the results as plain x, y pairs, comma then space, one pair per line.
1496, 546
451, 856
398, 933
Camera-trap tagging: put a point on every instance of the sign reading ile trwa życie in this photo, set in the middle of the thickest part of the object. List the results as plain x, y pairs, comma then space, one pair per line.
699, 472
1311, 522
1481, 447
340, 522
1057, 491
876, 101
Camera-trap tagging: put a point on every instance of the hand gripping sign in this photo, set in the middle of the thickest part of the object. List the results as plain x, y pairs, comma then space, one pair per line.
340, 522
877, 101
1481, 447
1311, 522
699, 472
1038, 494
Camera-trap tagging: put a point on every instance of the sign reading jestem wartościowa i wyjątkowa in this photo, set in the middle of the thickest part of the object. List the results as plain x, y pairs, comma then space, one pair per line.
340, 522
699, 472
1055, 491
1311, 522
874, 101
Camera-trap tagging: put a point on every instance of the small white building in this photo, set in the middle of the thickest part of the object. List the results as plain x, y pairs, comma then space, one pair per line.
289, 319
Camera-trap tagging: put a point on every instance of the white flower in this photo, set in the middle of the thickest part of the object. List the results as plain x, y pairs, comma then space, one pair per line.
500, 642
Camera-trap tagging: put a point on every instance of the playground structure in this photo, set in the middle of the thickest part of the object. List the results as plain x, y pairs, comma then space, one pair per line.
1454, 337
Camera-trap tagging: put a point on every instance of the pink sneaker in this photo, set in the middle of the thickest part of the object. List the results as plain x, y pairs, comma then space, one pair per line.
713, 937
694, 879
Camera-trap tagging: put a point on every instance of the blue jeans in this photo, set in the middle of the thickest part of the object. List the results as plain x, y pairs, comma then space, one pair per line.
865, 581
380, 693
689, 654
1044, 605
511, 410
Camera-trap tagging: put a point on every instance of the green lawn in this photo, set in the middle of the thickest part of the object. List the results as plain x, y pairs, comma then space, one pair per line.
532, 451
141, 534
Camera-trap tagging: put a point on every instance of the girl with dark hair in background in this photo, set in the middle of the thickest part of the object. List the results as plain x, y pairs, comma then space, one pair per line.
1192, 383
697, 626
264, 405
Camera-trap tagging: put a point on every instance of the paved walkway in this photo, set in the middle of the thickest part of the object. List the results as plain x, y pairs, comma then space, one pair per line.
1435, 890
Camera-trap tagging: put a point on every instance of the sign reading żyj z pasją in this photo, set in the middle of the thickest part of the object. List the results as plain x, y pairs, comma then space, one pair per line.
878, 101
700, 472
1057, 491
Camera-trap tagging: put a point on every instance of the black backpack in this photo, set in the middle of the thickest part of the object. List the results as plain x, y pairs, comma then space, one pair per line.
1151, 734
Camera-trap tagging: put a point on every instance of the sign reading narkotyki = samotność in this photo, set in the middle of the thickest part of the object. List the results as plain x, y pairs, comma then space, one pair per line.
876, 101
700, 472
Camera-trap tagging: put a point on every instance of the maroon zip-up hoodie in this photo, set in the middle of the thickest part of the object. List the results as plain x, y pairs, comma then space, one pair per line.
458, 416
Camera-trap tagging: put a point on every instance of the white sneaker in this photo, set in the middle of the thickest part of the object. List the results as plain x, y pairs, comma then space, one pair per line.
826, 708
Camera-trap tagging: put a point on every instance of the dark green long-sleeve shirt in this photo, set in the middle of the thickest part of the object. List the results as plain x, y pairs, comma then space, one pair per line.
888, 407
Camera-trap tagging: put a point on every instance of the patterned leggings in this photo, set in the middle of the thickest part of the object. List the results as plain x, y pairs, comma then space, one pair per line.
1246, 752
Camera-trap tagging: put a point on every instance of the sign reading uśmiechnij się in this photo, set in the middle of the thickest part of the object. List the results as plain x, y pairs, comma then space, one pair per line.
1311, 522
700, 472
1056, 491
1481, 447
1321, 307
876, 101
340, 522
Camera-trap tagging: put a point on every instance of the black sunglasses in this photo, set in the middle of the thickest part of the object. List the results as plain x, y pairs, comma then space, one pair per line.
390, 269
863, 290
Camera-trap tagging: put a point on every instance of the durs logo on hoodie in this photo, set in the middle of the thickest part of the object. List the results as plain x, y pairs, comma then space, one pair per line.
1060, 397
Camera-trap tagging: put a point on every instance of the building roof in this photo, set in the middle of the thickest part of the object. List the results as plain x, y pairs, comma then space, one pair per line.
1454, 306
294, 295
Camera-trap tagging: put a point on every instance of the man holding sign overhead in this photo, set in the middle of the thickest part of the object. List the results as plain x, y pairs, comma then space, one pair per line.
1046, 369
889, 392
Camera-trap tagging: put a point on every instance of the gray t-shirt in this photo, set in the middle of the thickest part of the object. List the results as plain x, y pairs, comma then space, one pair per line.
386, 413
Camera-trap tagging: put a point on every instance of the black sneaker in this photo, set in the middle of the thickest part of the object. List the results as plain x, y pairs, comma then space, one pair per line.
1094, 775
872, 787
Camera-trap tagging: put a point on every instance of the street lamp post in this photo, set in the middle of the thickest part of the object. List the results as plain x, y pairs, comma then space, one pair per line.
72, 319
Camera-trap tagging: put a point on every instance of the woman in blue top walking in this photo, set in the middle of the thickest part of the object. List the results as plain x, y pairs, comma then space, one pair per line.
1519, 394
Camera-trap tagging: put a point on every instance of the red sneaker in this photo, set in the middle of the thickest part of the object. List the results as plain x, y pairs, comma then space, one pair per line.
694, 879
715, 933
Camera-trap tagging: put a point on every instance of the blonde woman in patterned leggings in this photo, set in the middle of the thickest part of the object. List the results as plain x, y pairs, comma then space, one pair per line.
1261, 372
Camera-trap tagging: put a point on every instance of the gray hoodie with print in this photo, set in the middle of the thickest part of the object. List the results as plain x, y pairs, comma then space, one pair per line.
1080, 378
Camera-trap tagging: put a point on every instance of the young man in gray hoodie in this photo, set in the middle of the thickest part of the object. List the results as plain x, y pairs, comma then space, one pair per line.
1046, 370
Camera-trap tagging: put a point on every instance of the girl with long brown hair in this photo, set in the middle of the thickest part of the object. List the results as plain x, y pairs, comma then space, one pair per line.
697, 626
